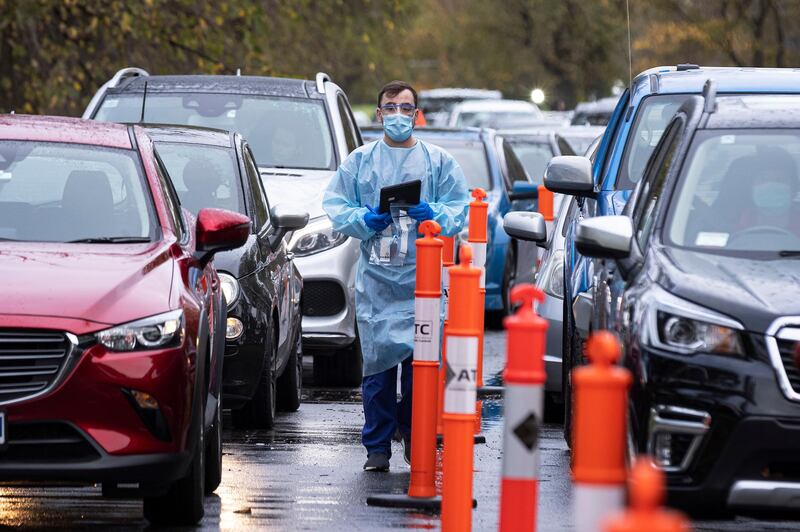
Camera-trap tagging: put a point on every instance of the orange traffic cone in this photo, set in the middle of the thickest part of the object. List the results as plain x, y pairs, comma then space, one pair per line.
477, 239
427, 307
646, 494
598, 446
545, 203
448, 260
463, 334
523, 411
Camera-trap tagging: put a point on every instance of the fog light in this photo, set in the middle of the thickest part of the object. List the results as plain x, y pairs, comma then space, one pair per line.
234, 328
663, 449
144, 400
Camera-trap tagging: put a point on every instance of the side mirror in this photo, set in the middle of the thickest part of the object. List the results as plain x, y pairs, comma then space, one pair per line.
605, 237
523, 190
219, 230
285, 218
525, 226
570, 174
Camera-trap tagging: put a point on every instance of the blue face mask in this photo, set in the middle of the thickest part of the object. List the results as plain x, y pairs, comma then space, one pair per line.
772, 196
398, 127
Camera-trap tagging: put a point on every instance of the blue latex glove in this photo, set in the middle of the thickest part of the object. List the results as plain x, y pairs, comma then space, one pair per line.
375, 221
421, 211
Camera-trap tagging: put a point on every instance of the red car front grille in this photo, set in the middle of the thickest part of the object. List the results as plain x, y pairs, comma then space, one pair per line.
30, 362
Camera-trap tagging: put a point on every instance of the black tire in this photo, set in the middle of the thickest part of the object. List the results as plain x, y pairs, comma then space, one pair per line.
259, 412
290, 384
495, 317
213, 465
340, 368
182, 505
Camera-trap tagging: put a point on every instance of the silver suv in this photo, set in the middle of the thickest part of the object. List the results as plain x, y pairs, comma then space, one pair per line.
299, 131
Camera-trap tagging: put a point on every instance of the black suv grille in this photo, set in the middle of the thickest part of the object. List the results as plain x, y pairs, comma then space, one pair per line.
322, 298
46, 442
29, 361
786, 348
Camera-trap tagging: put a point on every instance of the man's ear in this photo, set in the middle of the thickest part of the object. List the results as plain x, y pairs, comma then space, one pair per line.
378, 115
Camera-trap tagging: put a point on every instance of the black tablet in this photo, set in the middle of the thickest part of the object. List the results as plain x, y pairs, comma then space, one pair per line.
401, 193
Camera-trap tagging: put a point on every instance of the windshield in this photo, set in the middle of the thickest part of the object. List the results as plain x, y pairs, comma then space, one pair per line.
282, 132
534, 157
739, 193
203, 176
497, 119
54, 192
651, 120
471, 157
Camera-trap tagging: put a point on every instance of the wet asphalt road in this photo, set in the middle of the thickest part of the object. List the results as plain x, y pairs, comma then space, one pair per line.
306, 475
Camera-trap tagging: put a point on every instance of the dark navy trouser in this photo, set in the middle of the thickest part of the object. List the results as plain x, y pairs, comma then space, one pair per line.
383, 414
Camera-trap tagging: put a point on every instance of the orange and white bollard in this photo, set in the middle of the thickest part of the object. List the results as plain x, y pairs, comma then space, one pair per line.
448, 260
477, 238
545, 203
600, 392
645, 496
461, 374
427, 321
523, 411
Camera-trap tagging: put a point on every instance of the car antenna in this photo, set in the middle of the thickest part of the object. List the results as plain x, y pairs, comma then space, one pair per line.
144, 98
710, 96
630, 53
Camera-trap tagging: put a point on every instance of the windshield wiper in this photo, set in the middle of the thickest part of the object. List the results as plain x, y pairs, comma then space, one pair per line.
110, 240
789, 253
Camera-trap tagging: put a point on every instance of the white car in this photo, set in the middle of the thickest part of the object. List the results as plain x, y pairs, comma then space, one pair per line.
498, 114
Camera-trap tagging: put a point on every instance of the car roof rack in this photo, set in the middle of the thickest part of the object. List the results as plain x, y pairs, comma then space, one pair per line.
322, 77
682, 67
125, 73
709, 96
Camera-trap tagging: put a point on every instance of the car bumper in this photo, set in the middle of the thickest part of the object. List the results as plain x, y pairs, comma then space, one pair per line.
89, 428
733, 435
328, 305
552, 309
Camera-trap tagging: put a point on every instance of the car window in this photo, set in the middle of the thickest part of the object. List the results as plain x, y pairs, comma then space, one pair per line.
738, 193
350, 129
653, 185
173, 200
203, 175
652, 118
55, 192
471, 157
533, 155
260, 205
565, 148
283, 132
610, 137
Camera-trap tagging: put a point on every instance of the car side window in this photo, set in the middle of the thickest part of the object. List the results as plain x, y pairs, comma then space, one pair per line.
564, 147
173, 203
653, 184
516, 172
260, 205
350, 130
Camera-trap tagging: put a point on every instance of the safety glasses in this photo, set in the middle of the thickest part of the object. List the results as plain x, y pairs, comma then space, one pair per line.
394, 108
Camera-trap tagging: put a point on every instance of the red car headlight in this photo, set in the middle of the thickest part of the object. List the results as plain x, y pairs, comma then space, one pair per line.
154, 332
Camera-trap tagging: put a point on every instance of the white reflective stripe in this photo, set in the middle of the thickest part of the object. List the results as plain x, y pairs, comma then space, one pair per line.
522, 410
593, 504
461, 375
426, 328
479, 259
445, 288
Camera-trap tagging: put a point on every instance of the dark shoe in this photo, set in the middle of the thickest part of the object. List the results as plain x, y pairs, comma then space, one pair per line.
407, 449
377, 462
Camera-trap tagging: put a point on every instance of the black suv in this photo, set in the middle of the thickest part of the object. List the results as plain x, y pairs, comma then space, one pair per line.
705, 296
262, 287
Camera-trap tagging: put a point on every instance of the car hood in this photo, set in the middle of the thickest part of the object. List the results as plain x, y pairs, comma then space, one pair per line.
754, 292
101, 283
301, 188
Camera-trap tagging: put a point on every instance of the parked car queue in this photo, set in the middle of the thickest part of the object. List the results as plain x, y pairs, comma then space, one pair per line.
698, 276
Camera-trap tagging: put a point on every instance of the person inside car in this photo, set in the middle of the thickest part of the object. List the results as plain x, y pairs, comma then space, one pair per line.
202, 181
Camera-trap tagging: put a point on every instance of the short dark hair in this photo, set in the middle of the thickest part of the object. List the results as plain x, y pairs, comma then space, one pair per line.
393, 88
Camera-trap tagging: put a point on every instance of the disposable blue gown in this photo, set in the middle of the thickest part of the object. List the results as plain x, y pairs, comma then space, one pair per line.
385, 294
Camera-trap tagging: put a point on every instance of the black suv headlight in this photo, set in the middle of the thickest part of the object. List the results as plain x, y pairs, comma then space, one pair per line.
315, 238
677, 325
154, 332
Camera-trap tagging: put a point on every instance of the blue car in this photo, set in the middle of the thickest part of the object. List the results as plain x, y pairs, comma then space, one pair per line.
635, 127
489, 162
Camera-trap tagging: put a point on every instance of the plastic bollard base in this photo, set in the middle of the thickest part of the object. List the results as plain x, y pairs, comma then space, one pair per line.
487, 391
398, 500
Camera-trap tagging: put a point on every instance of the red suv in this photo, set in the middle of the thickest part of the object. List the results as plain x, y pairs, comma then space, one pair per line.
112, 319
